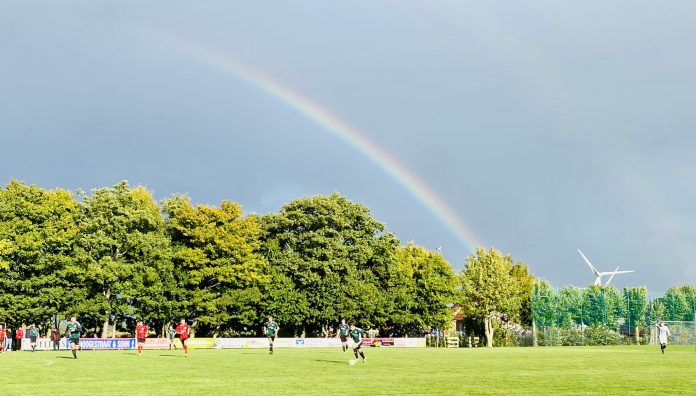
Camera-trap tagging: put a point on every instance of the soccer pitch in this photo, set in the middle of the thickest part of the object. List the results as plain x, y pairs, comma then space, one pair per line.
566, 370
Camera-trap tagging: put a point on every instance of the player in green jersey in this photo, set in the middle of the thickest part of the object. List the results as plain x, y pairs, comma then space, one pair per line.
356, 334
33, 335
343, 330
271, 330
73, 330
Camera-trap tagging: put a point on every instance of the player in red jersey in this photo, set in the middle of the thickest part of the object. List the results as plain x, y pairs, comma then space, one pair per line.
141, 334
182, 329
2, 337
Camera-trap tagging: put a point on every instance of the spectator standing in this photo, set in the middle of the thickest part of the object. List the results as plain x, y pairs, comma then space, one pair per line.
55, 339
2, 338
8, 339
19, 334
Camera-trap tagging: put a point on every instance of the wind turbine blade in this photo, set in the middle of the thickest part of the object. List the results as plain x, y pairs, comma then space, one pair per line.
589, 263
616, 271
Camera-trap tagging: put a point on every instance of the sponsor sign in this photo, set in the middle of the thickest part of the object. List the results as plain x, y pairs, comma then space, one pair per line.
285, 343
45, 344
409, 342
102, 343
223, 343
257, 343
199, 343
156, 343
42, 344
226, 343
321, 343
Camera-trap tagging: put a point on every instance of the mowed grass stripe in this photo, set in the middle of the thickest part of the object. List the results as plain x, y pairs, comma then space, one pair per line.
539, 371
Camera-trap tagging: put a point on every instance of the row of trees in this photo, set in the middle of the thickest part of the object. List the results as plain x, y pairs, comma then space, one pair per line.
116, 255
628, 312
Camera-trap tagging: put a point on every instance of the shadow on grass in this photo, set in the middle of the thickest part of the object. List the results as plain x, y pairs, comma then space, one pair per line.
65, 357
181, 356
330, 361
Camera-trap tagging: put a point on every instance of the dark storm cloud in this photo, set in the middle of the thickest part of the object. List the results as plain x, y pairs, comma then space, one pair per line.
548, 126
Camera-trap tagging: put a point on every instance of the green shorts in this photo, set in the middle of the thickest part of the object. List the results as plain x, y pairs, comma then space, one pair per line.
75, 340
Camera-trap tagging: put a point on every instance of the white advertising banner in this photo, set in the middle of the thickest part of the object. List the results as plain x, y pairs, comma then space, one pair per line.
42, 344
223, 343
319, 342
409, 342
45, 344
230, 343
156, 343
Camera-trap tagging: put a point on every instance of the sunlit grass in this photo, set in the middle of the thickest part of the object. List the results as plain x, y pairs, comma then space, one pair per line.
568, 370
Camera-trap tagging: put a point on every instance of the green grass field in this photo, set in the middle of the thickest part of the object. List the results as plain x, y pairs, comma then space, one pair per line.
567, 370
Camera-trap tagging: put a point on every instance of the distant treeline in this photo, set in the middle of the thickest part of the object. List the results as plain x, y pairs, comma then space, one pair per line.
574, 315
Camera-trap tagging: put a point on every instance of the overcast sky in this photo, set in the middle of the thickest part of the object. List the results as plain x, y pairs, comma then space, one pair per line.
546, 125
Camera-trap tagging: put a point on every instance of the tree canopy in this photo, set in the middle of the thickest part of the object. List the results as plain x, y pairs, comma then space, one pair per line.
115, 255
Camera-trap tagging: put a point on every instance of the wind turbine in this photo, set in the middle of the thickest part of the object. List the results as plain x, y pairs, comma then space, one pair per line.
599, 275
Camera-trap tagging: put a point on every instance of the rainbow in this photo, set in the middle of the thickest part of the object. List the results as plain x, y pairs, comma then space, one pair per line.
342, 130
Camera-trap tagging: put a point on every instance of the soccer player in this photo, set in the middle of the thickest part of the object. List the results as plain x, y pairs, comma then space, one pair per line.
171, 334
663, 333
141, 334
8, 338
271, 330
33, 335
356, 334
73, 330
343, 330
182, 329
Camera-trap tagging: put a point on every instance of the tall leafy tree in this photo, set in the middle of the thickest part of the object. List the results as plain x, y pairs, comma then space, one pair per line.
424, 290
337, 258
571, 309
689, 292
38, 279
120, 245
604, 306
677, 304
636, 302
489, 289
523, 278
544, 308
217, 262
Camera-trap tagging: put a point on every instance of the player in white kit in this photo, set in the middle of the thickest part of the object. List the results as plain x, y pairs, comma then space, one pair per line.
662, 334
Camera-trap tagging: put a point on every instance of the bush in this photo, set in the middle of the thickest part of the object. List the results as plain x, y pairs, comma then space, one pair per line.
575, 336
512, 335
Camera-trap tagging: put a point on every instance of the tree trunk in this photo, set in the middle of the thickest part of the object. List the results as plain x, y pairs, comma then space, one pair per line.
488, 326
637, 335
534, 334
105, 327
